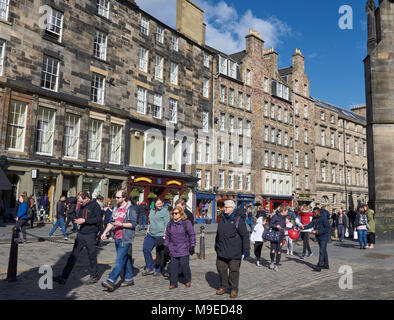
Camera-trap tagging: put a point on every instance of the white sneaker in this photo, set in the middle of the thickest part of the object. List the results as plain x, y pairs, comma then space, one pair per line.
287, 252
276, 268
291, 253
272, 265
258, 263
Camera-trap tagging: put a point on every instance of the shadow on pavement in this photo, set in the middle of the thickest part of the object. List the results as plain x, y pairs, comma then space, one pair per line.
27, 286
213, 279
301, 261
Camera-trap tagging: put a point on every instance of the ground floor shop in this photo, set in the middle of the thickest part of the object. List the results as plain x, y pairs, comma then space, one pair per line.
270, 202
48, 183
205, 208
245, 200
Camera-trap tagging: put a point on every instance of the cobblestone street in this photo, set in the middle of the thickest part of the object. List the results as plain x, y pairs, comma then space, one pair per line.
373, 275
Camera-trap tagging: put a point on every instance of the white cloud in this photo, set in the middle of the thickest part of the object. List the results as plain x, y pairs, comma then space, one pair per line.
226, 28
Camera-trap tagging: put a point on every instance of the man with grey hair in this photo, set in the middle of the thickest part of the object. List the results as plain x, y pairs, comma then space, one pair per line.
232, 240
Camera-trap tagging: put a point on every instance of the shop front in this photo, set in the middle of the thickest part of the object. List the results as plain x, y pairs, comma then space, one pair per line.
244, 200
271, 203
147, 185
204, 208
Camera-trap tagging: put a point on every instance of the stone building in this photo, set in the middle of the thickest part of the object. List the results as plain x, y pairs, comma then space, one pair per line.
84, 90
340, 155
304, 134
379, 83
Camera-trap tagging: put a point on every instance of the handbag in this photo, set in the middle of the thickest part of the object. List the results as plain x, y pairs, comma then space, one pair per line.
347, 233
271, 235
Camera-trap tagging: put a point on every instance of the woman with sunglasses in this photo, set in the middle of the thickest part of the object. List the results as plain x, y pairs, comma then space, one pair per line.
180, 239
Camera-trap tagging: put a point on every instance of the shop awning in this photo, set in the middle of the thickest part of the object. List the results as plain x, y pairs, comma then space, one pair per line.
5, 184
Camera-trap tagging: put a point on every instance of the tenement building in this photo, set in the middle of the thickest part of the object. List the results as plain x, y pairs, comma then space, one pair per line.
340, 155
100, 95
379, 83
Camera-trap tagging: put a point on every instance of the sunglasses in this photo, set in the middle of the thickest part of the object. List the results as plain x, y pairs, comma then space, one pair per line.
119, 197
176, 212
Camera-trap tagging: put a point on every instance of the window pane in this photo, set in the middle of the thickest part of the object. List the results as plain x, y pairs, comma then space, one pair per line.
45, 130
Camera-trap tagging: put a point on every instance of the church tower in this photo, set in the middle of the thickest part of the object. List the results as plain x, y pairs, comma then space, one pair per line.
379, 85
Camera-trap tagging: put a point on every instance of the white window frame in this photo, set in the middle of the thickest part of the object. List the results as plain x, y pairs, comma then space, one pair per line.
143, 55
240, 99
248, 102
240, 126
71, 137
157, 110
266, 84
115, 143
222, 95
231, 152
266, 133
231, 180
198, 175
96, 140
248, 182
48, 66
231, 96
305, 111
221, 179
247, 77
332, 140
266, 158
305, 135
205, 121
206, 60
173, 111
286, 162
2, 55
174, 43
17, 129
174, 73
103, 8
207, 180
100, 45
144, 27
265, 109
306, 160
97, 92
159, 67
239, 181
141, 100
222, 122
207, 153
297, 158
205, 87
248, 157
248, 129
272, 135
160, 34
231, 124
54, 26
4, 8
199, 152
323, 137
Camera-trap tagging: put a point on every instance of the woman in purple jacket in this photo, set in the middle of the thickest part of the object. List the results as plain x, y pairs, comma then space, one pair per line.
180, 239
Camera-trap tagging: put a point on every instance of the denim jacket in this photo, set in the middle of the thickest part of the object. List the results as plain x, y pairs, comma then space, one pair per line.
131, 217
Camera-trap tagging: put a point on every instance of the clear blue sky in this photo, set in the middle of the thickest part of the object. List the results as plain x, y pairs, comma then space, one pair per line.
334, 57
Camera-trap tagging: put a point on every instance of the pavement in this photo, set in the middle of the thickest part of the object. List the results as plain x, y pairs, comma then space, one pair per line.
371, 277
40, 232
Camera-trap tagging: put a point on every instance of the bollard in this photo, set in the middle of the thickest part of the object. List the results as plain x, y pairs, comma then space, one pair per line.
13, 259
202, 243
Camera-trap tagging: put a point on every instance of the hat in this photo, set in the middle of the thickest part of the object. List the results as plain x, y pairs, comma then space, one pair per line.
316, 208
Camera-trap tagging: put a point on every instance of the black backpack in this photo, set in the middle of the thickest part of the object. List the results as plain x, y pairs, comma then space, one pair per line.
184, 226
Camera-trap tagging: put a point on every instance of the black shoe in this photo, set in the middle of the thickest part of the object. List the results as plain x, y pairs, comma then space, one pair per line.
364, 248
317, 269
59, 280
127, 283
108, 285
92, 281
326, 267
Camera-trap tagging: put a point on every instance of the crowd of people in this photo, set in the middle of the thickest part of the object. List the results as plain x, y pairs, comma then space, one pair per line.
170, 232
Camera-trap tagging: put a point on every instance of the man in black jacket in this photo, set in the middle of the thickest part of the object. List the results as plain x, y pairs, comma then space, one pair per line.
88, 217
232, 241
71, 213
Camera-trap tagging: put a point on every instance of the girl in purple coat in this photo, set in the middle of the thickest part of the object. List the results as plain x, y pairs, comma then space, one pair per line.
180, 239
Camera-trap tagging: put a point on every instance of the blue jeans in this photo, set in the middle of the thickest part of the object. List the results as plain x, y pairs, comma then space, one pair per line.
249, 221
362, 237
56, 225
150, 242
143, 221
177, 266
122, 262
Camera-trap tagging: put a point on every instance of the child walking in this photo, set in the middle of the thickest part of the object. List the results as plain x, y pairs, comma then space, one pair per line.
256, 238
289, 241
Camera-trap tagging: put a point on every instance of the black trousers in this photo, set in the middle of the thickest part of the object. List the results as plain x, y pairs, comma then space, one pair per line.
276, 249
228, 272
70, 219
258, 245
323, 256
305, 241
371, 237
87, 241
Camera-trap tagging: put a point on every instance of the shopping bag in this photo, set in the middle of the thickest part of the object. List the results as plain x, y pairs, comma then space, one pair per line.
347, 233
355, 235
